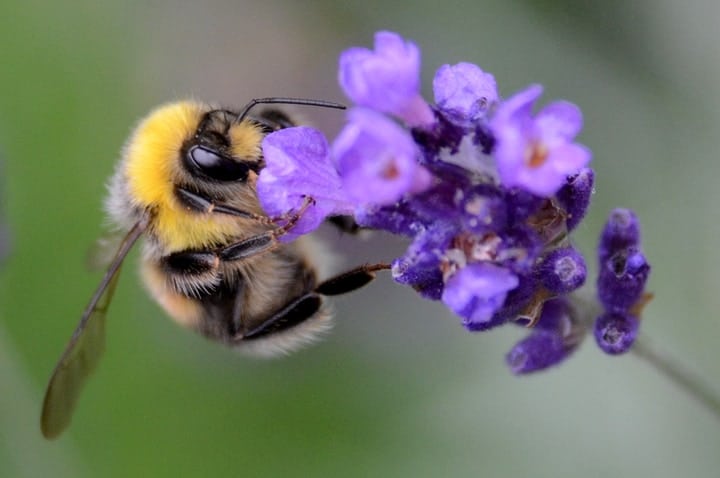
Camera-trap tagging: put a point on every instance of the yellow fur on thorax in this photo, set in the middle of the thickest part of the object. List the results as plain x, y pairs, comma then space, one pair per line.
153, 156
246, 140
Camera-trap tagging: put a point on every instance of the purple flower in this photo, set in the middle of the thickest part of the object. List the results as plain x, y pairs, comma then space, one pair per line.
622, 278
624, 270
574, 196
377, 159
485, 191
621, 231
562, 270
398, 218
537, 153
615, 333
557, 334
537, 351
464, 91
621, 282
298, 165
419, 267
387, 79
476, 291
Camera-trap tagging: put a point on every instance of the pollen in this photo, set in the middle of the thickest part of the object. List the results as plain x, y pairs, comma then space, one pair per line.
390, 171
536, 155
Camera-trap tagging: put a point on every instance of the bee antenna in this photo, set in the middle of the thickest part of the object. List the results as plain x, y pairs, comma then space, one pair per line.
286, 101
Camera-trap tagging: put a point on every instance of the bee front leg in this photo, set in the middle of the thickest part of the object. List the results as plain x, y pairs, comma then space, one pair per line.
199, 203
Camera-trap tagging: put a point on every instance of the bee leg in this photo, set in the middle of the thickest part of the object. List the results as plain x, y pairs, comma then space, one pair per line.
262, 242
350, 280
306, 306
252, 246
289, 316
198, 203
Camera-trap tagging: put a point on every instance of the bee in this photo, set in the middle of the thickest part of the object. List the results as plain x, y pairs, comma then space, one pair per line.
211, 258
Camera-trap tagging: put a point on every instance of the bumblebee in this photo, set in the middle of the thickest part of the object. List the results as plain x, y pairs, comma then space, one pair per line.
211, 258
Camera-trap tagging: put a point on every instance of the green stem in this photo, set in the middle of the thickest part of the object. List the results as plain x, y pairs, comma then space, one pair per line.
679, 374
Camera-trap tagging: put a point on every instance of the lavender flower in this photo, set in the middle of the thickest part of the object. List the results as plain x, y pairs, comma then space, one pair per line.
464, 91
616, 332
537, 154
622, 279
299, 166
562, 271
574, 196
621, 231
621, 282
377, 160
557, 334
486, 193
386, 79
477, 291
537, 351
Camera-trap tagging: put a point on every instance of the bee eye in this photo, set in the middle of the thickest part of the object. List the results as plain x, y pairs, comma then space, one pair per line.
215, 166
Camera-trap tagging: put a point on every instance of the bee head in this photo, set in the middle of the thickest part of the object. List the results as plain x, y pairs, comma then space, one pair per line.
222, 150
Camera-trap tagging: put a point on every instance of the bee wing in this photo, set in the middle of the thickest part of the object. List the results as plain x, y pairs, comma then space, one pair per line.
102, 252
86, 346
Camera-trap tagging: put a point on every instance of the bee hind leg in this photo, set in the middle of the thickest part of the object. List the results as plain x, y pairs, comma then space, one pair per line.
350, 280
289, 316
306, 306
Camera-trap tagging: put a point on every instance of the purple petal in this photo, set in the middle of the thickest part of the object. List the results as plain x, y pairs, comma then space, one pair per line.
622, 278
386, 79
615, 333
298, 165
621, 231
560, 119
535, 153
574, 196
538, 351
377, 160
478, 290
562, 270
546, 179
519, 105
464, 90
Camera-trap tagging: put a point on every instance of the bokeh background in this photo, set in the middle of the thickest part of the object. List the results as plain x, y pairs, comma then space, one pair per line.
399, 389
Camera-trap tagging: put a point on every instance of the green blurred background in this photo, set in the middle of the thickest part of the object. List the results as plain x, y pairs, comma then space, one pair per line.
399, 389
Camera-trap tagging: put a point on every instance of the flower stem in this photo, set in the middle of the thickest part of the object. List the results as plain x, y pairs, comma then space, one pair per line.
679, 374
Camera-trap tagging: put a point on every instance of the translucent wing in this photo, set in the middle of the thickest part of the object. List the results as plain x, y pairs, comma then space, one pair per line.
86, 346
102, 253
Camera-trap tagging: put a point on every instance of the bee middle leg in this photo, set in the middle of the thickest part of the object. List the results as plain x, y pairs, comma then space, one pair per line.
191, 269
265, 241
